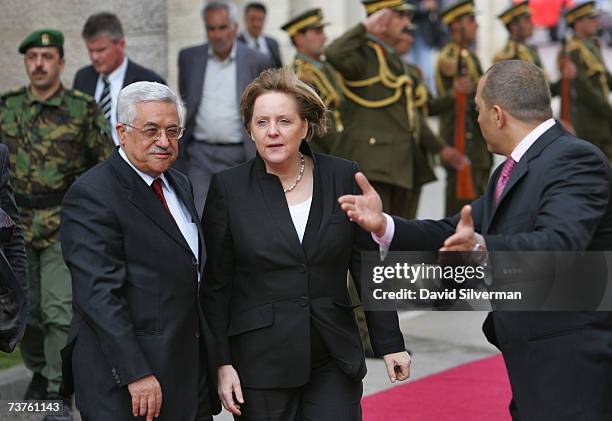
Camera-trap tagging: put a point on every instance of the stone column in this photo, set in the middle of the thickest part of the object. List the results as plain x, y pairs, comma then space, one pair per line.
491, 32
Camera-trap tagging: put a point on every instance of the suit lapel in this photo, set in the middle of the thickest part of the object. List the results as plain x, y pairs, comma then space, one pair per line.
521, 170
242, 74
489, 200
319, 193
186, 197
275, 202
129, 74
273, 51
91, 83
198, 66
517, 174
143, 198
243, 78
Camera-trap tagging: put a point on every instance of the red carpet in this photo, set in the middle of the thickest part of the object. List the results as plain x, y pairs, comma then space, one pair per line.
477, 391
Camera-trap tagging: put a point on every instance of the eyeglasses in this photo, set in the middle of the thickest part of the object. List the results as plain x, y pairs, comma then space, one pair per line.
153, 134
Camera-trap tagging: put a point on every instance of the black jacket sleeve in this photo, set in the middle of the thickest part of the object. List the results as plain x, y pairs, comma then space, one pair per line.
92, 245
14, 250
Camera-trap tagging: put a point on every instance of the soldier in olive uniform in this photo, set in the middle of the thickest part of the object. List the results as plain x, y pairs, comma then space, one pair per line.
590, 110
429, 142
381, 122
379, 115
517, 20
308, 36
53, 135
451, 79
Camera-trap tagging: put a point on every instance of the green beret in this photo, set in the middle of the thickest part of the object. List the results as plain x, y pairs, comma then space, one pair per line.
42, 38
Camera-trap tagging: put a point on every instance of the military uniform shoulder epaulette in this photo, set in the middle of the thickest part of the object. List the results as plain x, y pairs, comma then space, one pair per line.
302, 69
572, 45
80, 95
415, 70
447, 60
299, 64
13, 92
506, 53
450, 50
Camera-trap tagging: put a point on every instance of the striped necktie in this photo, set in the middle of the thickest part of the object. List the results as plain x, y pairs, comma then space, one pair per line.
502, 181
105, 99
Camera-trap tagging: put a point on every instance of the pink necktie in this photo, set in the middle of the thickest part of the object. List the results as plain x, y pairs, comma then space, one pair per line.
504, 177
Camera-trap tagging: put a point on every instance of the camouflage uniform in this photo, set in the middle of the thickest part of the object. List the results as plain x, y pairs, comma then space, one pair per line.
50, 143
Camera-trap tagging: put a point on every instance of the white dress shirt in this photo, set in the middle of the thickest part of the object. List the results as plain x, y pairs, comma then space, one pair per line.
218, 118
115, 80
299, 216
517, 153
177, 208
257, 44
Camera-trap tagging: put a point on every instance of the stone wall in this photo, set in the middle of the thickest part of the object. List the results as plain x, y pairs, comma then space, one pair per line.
145, 23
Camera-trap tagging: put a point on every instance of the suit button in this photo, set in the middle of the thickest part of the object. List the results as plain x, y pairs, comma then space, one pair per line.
197, 335
304, 301
301, 268
194, 261
372, 141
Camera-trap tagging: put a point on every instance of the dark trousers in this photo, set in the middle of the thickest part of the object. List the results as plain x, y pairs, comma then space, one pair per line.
329, 395
204, 160
397, 200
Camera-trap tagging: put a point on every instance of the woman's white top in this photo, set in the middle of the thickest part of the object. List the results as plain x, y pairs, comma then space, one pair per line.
299, 215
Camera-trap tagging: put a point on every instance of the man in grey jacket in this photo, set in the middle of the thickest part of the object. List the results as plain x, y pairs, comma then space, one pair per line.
211, 80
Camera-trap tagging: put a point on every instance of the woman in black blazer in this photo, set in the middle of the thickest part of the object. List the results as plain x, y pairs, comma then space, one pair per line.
274, 287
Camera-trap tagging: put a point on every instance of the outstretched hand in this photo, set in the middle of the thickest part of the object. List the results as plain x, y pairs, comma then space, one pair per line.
365, 209
464, 238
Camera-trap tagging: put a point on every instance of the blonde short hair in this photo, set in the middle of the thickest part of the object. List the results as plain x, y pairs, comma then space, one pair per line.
284, 80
